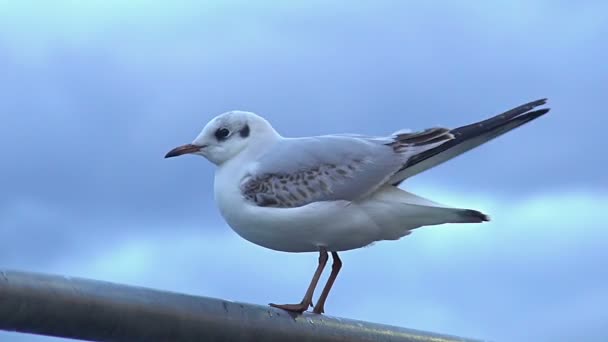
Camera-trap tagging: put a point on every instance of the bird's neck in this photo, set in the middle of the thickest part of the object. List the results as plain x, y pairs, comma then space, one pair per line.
243, 163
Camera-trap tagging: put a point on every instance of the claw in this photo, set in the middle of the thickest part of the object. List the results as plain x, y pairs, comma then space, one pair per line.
318, 310
301, 307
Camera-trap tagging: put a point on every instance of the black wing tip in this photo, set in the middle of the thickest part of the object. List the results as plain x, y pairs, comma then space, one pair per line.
518, 115
524, 108
511, 114
541, 111
533, 104
538, 103
529, 116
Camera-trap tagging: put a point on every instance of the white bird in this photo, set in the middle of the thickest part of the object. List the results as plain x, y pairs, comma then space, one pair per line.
332, 193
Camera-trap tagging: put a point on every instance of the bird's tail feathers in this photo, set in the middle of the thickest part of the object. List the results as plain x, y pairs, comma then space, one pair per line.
468, 216
398, 211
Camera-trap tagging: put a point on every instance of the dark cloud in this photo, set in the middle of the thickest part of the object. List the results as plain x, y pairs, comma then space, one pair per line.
91, 105
89, 121
528, 276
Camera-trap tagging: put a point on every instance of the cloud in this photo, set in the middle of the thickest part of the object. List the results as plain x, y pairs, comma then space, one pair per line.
95, 94
529, 275
89, 120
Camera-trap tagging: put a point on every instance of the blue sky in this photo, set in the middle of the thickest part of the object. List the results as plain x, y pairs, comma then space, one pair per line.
95, 93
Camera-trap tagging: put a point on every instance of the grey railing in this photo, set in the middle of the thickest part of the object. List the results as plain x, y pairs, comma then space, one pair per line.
100, 311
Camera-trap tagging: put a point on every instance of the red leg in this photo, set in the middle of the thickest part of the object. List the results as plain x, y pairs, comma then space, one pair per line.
335, 268
307, 300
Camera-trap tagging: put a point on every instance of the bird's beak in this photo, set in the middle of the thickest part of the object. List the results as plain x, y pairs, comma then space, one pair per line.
184, 149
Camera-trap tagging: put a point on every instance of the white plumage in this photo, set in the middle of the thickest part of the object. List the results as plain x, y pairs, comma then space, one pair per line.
335, 192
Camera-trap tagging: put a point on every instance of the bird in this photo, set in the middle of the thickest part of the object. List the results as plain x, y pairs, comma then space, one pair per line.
332, 193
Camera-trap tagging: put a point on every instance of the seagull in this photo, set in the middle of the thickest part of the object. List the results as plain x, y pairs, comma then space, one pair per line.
332, 193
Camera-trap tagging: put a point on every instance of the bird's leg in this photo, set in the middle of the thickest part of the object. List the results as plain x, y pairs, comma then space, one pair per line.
335, 268
307, 300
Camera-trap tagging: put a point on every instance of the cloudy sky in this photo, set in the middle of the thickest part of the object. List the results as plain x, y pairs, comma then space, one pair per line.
95, 93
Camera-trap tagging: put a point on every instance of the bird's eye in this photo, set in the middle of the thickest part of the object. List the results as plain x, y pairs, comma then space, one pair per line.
222, 133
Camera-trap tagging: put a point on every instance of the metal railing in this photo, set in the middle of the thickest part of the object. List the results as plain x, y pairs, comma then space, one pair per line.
100, 311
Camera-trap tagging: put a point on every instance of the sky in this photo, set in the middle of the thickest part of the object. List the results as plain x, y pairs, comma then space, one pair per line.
95, 93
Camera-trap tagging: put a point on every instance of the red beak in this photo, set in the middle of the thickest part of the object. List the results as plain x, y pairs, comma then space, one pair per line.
184, 149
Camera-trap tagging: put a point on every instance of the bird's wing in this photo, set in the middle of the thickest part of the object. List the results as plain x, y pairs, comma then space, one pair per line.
296, 172
469, 137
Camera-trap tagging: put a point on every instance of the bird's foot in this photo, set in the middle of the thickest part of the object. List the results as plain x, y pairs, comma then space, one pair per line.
319, 309
301, 307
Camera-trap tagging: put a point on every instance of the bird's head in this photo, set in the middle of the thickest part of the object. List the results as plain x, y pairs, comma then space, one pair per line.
226, 135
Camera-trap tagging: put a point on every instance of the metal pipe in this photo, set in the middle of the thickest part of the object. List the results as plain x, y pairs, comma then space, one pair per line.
100, 311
